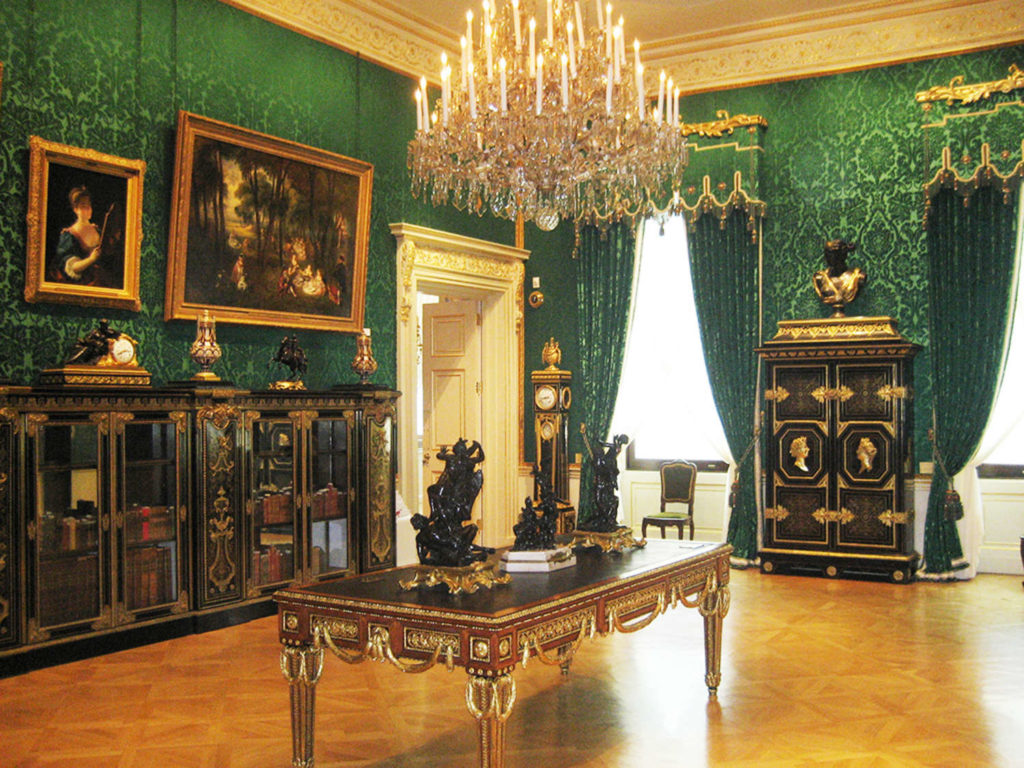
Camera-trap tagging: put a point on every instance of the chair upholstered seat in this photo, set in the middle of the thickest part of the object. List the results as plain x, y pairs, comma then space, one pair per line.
678, 486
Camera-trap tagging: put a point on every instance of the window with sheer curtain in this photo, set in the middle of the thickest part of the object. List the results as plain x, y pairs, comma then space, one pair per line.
664, 403
1003, 442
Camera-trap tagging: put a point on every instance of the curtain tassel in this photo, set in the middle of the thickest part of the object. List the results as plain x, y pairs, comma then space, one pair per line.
734, 493
952, 507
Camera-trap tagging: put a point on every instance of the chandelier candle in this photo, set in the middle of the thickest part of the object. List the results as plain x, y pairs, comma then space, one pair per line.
582, 139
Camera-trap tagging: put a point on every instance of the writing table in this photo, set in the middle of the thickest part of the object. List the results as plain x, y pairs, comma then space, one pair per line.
543, 616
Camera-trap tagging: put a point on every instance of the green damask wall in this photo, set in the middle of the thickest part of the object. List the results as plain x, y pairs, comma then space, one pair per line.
111, 76
845, 158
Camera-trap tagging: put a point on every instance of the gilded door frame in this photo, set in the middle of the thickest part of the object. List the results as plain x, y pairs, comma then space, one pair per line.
436, 261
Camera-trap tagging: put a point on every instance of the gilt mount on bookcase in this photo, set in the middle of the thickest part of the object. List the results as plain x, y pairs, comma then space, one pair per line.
444, 541
837, 285
291, 356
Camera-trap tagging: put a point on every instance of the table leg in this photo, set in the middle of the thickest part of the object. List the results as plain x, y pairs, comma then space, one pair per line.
714, 605
490, 700
302, 666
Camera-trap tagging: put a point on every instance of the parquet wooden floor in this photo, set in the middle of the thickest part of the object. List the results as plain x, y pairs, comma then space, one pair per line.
843, 674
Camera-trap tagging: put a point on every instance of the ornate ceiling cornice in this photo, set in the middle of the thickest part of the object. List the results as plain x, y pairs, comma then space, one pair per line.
375, 31
864, 35
842, 42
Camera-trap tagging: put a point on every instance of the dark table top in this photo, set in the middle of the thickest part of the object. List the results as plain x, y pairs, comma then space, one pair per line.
592, 570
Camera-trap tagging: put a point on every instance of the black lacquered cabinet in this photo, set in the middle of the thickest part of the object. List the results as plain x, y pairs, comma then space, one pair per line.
123, 508
837, 448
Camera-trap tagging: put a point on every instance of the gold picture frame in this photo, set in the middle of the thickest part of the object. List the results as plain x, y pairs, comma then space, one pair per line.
265, 231
62, 238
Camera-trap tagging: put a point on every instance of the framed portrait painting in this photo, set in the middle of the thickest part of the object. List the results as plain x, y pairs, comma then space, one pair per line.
265, 231
84, 226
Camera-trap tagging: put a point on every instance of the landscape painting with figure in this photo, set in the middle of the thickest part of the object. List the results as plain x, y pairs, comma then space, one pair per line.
266, 231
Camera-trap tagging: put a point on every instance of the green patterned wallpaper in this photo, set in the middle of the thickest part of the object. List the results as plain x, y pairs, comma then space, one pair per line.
113, 80
844, 158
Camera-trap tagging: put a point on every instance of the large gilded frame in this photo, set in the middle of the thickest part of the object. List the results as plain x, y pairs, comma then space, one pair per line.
53, 168
260, 274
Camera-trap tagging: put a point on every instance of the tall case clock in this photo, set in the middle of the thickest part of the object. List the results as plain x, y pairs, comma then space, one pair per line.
552, 398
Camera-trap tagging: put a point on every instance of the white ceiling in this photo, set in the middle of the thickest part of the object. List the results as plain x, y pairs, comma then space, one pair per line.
705, 44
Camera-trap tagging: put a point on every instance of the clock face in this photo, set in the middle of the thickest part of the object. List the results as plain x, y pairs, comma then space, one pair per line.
566, 398
122, 350
545, 398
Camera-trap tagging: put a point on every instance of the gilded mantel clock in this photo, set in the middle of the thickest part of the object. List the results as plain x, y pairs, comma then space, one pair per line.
102, 357
552, 397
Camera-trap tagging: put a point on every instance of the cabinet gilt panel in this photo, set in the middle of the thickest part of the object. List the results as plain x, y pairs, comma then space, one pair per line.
867, 528
800, 383
800, 525
864, 382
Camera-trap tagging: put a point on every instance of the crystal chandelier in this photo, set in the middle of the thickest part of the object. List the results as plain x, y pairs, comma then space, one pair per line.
547, 120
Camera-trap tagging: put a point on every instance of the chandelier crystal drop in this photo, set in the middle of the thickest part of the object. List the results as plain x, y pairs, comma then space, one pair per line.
546, 116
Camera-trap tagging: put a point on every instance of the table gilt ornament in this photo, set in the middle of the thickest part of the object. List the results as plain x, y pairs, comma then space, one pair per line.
444, 541
602, 529
837, 285
364, 363
205, 351
535, 548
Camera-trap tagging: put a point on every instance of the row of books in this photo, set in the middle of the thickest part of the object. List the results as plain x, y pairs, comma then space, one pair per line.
327, 503
68, 590
273, 508
150, 524
149, 577
273, 563
278, 507
69, 533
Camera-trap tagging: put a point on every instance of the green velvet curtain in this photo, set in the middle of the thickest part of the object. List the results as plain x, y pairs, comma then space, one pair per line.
724, 267
604, 287
971, 242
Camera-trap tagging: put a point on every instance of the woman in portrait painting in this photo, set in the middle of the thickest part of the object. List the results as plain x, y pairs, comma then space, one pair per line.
79, 246
87, 254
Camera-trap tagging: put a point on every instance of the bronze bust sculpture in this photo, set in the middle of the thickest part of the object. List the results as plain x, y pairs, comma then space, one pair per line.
837, 285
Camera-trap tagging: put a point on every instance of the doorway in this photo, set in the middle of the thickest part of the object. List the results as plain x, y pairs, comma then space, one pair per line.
450, 382
442, 264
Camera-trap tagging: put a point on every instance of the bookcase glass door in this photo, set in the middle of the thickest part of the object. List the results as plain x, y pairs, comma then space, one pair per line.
330, 460
272, 499
149, 492
67, 523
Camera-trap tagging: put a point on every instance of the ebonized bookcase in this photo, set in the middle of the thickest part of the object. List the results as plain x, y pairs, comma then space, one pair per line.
127, 508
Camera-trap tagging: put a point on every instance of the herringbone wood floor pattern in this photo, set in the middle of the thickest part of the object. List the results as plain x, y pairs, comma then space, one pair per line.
815, 673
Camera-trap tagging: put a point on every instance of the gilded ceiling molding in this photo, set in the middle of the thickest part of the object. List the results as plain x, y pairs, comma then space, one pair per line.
830, 43
727, 57
969, 94
723, 125
374, 31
